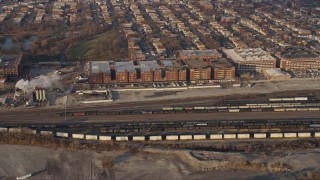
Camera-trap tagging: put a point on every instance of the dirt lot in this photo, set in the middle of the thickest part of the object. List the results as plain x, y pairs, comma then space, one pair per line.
285, 160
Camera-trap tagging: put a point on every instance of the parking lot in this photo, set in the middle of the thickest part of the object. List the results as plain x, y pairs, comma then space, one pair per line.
306, 74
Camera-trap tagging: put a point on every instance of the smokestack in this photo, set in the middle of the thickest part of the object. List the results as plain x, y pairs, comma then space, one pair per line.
37, 94
44, 95
41, 95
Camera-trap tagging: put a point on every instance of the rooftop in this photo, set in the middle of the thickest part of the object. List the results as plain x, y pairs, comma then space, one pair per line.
193, 64
299, 54
8, 61
221, 63
169, 64
99, 67
209, 52
147, 65
125, 66
250, 54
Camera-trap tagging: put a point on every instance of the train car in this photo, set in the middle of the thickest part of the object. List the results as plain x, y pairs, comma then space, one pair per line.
199, 107
91, 113
178, 108
79, 114
301, 98
210, 107
167, 108
188, 108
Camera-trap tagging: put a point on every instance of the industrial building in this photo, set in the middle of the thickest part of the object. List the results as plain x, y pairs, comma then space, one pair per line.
251, 59
125, 72
276, 74
198, 70
299, 60
174, 70
99, 72
199, 54
223, 70
10, 67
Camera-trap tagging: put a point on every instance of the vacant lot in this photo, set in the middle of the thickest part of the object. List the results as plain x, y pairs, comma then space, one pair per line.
105, 46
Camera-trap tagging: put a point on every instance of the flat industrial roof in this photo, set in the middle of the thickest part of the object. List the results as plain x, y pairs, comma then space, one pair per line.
147, 65
125, 66
196, 64
221, 63
292, 54
100, 67
249, 54
207, 52
7, 61
172, 64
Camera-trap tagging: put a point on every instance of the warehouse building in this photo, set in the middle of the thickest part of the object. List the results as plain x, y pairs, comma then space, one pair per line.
199, 54
149, 71
99, 72
276, 74
251, 59
198, 70
125, 72
10, 67
223, 70
299, 60
174, 70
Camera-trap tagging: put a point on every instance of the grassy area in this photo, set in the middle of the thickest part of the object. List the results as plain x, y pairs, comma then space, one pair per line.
105, 46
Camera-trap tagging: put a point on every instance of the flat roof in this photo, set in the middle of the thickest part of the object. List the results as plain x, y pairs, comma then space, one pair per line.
147, 65
100, 67
125, 66
172, 64
292, 54
192, 63
7, 61
248, 54
207, 52
221, 63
